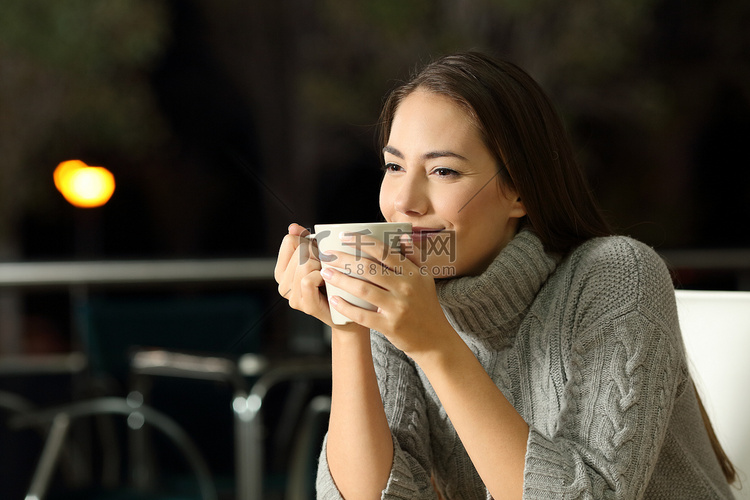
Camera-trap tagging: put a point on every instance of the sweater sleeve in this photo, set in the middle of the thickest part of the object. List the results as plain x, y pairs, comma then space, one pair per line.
625, 367
405, 409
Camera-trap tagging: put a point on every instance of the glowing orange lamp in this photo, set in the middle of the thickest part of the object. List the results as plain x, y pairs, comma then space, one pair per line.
84, 186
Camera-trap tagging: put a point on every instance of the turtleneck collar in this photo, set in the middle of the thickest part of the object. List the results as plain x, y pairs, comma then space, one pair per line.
495, 302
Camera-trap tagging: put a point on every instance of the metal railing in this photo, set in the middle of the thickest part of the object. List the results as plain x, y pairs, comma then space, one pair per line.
143, 272
140, 272
79, 276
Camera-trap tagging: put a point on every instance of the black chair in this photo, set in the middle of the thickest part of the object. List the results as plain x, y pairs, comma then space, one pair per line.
28, 382
111, 330
252, 379
151, 346
58, 421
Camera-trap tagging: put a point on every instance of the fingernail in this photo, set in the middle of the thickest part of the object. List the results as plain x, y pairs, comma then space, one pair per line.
346, 237
334, 300
326, 257
326, 273
405, 238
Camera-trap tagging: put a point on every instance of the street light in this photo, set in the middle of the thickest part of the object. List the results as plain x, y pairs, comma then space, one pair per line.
82, 185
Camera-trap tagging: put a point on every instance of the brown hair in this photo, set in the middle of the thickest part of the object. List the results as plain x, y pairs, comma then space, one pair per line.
521, 128
727, 467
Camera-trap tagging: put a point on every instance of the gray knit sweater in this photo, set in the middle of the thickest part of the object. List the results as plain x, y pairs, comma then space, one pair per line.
588, 350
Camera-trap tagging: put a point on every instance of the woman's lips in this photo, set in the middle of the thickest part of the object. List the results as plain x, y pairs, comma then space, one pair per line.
422, 233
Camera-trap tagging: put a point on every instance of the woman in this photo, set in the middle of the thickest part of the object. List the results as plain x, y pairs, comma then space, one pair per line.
539, 358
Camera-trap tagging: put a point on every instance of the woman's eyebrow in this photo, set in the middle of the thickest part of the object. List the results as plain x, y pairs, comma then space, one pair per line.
395, 152
443, 154
428, 156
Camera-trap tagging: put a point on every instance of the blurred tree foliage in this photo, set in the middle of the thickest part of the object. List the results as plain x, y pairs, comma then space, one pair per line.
639, 82
73, 77
316, 73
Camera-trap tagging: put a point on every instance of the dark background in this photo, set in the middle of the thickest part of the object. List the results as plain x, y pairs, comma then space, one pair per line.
224, 121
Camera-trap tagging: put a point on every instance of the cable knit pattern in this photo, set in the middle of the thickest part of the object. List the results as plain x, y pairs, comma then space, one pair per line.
588, 350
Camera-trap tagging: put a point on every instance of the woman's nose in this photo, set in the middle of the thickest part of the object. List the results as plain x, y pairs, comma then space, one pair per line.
412, 198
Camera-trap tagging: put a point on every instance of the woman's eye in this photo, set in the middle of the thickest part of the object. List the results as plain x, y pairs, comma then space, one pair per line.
391, 167
445, 172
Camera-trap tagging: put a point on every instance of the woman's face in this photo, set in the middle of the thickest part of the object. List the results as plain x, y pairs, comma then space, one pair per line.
440, 177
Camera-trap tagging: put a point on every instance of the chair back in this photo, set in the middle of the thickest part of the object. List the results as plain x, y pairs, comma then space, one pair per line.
111, 327
716, 329
226, 324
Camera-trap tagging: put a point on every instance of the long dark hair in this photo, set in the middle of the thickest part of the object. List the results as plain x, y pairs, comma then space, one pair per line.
521, 128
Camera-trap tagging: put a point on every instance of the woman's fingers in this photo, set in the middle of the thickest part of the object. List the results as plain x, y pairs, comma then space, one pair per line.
361, 268
302, 262
358, 315
313, 297
286, 250
303, 291
355, 283
290, 246
297, 230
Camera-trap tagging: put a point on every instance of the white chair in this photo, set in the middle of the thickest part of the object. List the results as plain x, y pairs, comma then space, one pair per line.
716, 329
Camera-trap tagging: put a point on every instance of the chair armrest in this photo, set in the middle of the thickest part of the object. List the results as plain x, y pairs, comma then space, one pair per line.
177, 364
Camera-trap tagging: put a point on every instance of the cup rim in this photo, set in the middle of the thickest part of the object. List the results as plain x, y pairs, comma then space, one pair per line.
378, 224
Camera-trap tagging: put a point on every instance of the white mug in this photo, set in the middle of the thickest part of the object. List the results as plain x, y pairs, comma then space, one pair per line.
328, 238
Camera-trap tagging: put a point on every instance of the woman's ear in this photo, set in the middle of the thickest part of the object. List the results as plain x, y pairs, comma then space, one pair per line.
517, 209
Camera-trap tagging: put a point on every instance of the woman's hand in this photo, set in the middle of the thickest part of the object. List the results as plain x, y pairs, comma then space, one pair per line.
408, 312
297, 272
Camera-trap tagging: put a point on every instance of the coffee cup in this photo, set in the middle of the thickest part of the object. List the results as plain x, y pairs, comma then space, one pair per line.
328, 238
